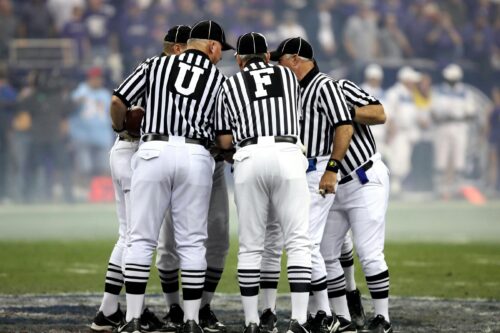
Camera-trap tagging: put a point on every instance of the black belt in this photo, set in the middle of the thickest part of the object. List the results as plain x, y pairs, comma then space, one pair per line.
161, 137
365, 167
128, 140
255, 140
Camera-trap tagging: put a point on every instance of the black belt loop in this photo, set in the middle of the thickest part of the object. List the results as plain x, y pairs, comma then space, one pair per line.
348, 178
161, 137
281, 138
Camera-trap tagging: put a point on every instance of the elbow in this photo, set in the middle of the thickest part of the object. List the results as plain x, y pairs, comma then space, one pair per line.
382, 118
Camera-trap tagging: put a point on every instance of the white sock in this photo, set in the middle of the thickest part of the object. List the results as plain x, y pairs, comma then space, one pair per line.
191, 309
312, 308
299, 306
250, 308
339, 305
134, 306
350, 282
268, 298
382, 307
321, 301
109, 304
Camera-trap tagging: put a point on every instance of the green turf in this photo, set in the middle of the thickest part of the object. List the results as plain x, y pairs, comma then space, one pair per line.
440, 270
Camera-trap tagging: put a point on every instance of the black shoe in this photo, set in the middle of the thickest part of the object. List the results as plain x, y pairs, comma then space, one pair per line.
191, 326
321, 323
209, 322
149, 322
268, 321
103, 323
356, 308
295, 327
133, 326
252, 328
174, 320
377, 324
345, 325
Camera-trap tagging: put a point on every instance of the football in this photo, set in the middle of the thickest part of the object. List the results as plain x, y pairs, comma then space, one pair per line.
133, 121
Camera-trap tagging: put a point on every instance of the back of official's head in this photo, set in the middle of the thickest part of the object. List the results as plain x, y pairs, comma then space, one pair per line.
296, 54
252, 45
452, 74
374, 74
209, 38
175, 41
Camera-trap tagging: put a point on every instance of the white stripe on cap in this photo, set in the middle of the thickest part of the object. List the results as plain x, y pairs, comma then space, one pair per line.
176, 33
300, 45
254, 49
209, 28
284, 45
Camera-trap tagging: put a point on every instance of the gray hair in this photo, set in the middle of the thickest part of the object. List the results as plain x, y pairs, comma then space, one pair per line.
247, 57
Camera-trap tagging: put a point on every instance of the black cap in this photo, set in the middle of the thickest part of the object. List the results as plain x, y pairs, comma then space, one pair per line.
295, 45
251, 43
210, 30
178, 34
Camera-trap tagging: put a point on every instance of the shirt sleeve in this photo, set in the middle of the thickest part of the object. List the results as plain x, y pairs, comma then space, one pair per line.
356, 96
332, 100
134, 85
222, 117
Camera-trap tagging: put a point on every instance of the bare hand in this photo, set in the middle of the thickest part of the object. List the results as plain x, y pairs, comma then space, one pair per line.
327, 183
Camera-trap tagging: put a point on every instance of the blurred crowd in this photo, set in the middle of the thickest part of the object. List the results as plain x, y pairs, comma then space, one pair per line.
54, 123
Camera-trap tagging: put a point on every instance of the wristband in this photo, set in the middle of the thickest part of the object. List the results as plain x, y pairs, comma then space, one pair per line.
353, 113
333, 165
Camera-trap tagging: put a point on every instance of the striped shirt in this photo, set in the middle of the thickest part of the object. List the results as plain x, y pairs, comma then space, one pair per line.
324, 108
180, 93
362, 145
261, 100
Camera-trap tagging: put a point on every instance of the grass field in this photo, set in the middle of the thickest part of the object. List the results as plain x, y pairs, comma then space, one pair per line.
433, 249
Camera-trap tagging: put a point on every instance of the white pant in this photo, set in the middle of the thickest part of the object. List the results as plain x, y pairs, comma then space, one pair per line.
318, 212
217, 243
399, 157
121, 173
177, 176
362, 209
271, 176
450, 146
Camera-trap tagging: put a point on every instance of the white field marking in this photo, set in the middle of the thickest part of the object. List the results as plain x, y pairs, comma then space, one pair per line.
414, 263
3, 275
82, 271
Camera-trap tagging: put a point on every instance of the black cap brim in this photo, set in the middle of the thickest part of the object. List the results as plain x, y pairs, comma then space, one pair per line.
226, 47
275, 55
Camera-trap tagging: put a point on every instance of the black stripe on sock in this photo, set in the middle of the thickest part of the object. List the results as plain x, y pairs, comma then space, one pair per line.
135, 288
319, 287
268, 284
300, 287
113, 288
336, 293
380, 276
249, 291
169, 287
190, 294
379, 294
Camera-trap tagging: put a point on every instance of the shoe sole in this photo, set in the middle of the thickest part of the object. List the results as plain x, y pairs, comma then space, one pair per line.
214, 330
274, 330
96, 328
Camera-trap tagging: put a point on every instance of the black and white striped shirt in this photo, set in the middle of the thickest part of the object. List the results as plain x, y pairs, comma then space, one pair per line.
324, 108
180, 93
362, 145
261, 100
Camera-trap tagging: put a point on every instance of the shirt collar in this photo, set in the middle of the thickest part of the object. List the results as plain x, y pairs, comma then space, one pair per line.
309, 76
198, 52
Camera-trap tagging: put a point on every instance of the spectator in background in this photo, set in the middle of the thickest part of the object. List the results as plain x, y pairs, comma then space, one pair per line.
494, 140
8, 27
76, 29
495, 57
290, 26
20, 143
187, 13
361, 38
90, 127
7, 109
321, 30
134, 35
444, 40
452, 108
36, 20
478, 41
269, 28
393, 43
98, 18
63, 11
48, 112
402, 126
457, 10
422, 17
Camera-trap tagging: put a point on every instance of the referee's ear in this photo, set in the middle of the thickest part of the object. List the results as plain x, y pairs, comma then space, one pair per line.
268, 57
239, 61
